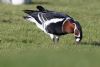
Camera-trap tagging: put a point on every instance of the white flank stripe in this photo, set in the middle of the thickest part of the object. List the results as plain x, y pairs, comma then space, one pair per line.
42, 18
53, 21
39, 17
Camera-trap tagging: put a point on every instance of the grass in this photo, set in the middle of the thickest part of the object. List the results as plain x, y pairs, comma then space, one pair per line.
22, 44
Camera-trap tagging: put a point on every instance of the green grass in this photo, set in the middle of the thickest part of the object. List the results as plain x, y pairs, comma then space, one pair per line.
22, 44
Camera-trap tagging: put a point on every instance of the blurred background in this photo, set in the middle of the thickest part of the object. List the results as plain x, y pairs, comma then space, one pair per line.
16, 2
22, 44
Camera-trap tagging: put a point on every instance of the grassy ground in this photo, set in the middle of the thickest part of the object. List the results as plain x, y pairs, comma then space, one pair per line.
22, 44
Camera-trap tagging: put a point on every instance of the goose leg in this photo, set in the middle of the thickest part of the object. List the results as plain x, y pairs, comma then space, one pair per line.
56, 39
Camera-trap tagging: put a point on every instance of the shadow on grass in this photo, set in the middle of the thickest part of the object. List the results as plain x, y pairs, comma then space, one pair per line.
6, 21
94, 43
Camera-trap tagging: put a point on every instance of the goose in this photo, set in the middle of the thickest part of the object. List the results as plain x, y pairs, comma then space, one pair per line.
54, 24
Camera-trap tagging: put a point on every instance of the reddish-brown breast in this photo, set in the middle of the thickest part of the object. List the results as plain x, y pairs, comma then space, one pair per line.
68, 27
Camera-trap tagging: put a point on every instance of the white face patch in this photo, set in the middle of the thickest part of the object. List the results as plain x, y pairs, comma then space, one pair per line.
77, 39
75, 29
